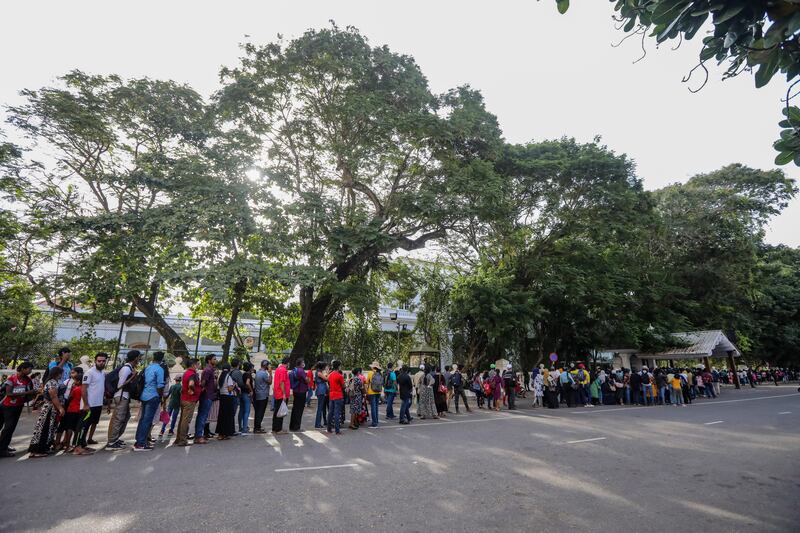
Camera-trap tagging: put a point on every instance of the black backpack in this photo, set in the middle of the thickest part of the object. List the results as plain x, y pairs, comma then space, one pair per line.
456, 379
136, 386
112, 381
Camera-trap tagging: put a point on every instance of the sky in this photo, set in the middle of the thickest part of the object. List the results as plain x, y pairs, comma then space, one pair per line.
543, 74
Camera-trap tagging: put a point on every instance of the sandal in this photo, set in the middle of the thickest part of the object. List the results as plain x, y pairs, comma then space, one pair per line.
37, 455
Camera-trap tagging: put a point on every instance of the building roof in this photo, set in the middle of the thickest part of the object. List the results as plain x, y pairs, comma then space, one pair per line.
712, 343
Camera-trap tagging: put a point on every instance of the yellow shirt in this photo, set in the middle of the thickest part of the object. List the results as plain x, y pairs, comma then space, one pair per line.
369, 383
676, 382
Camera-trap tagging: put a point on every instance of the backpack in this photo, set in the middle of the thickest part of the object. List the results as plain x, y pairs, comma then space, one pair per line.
112, 380
351, 387
581, 375
456, 380
390, 383
293, 381
376, 383
136, 386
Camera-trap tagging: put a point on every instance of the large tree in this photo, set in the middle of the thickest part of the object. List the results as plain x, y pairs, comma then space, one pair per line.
367, 160
124, 182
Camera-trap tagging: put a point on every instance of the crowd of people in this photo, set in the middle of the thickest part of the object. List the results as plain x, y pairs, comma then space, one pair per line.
219, 396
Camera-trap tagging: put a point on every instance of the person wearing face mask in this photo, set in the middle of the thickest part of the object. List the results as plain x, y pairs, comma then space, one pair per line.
298, 380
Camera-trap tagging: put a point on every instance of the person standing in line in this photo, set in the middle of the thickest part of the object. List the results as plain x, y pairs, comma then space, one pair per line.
153, 392
439, 392
320, 377
538, 389
19, 389
708, 381
190, 395
312, 386
261, 395
298, 380
173, 407
661, 383
228, 399
374, 388
390, 390
63, 362
356, 392
427, 402
208, 393
246, 397
335, 385
122, 401
416, 379
72, 409
510, 383
236, 375
44, 431
457, 381
676, 395
281, 389
405, 387
448, 373
93, 391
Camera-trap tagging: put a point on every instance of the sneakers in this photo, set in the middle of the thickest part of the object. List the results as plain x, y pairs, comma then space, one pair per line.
115, 446
138, 448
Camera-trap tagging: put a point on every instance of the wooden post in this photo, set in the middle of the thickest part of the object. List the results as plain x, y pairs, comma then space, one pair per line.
732, 366
707, 364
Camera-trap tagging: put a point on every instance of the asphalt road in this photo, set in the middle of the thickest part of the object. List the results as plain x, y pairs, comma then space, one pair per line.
725, 465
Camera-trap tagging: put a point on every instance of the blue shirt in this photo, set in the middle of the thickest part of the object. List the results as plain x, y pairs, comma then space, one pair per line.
392, 378
67, 369
153, 380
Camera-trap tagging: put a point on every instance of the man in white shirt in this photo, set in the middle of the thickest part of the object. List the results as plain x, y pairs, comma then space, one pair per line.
122, 399
92, 393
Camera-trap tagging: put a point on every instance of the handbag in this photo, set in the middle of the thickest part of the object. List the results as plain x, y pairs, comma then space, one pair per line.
443, 389
282, 410
164, 417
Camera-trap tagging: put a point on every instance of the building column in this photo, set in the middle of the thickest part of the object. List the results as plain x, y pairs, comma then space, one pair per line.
732, 366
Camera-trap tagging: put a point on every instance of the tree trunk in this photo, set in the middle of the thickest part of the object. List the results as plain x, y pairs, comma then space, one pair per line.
315, 313
238, 294
175, 344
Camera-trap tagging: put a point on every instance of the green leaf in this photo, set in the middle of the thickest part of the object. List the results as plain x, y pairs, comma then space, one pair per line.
768, 69
668, 10
794, 114
563, 6
722, 16
784, 158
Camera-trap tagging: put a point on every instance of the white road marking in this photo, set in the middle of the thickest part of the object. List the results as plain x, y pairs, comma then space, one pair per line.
585, 440
348, 465
785, 413
714, 422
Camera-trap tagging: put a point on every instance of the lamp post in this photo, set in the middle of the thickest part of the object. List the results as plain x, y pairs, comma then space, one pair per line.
393, 317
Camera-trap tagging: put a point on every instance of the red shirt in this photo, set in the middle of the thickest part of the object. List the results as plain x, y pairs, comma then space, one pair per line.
188, 376
311, 382
74, 401
17, 385
281, 376
336, 385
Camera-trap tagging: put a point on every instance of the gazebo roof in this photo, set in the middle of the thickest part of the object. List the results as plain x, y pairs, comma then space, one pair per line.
712, 343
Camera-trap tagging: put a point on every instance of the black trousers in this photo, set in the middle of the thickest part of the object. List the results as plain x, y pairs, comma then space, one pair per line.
511, 397
277, 422
10, 418
459, 391
298, 404
260, 409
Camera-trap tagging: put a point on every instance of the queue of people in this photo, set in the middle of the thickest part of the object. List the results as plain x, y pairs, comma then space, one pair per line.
208, 394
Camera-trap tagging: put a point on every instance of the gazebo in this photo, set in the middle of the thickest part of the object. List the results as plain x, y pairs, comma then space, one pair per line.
699, 345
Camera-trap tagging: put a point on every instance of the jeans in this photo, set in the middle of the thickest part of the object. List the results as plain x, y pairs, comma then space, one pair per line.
203, 409
309, 395
646, 390
260, 409
322, 411
405, 406
677, 397
173, 418
458, 392
389, 407
662, 393
335, 415
710, 391
627, 395
583, 396
149, 408
244, 412
373, 408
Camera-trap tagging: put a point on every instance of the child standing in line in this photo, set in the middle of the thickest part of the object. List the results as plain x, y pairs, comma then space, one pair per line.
173, 407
